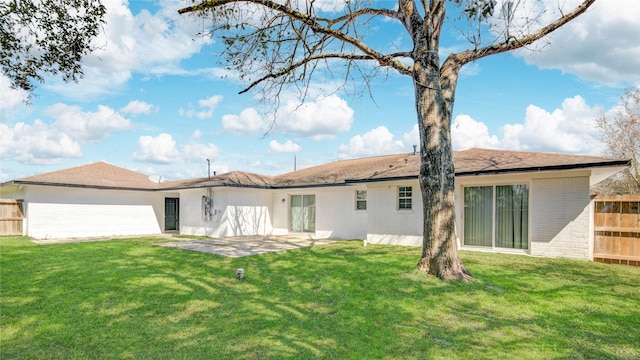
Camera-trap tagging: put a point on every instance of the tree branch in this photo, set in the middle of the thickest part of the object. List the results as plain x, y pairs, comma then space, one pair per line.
315, 26
409, 17
309, 59
356, 14
513, 43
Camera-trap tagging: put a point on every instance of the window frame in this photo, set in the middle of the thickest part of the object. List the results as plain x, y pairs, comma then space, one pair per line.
494, 217
404, 202
361, 200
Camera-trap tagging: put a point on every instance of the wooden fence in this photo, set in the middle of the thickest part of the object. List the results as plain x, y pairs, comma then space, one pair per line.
11, 217
617, 229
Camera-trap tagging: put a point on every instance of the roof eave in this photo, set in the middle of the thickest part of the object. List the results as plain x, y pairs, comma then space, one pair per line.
393, 178
83, 186
206, 186
613, 163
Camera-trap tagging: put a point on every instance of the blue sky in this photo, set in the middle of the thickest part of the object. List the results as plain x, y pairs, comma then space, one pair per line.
153, 100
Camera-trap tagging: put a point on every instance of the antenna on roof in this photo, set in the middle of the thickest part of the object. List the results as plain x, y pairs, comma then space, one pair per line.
294, 162
208, 169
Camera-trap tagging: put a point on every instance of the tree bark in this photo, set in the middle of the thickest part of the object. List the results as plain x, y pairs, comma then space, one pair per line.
437, 183
434, 92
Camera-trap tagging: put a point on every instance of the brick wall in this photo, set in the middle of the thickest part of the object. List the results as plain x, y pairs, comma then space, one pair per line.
560, 218
388, 225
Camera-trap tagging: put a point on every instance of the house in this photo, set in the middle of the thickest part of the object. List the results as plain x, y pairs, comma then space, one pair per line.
508, 201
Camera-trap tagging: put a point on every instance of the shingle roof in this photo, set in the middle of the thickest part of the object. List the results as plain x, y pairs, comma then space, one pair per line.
378, 168
99, 174
372, 168
477, 161
467, 162
233, 178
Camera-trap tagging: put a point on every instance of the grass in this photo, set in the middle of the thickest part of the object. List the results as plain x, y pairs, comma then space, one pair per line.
124, 299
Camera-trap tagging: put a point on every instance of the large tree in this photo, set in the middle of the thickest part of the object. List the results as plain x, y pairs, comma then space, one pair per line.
620, 129
39, 37
276, 43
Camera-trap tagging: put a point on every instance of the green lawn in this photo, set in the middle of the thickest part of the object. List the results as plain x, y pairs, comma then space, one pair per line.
128, 299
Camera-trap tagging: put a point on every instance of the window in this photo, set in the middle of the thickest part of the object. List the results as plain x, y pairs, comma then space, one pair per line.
361, 199
497, 216
404, 197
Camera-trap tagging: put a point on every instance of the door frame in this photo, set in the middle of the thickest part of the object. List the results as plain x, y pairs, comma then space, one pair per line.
175, 202
313, 213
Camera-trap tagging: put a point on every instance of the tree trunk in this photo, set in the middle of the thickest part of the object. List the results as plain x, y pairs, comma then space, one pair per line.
437, 175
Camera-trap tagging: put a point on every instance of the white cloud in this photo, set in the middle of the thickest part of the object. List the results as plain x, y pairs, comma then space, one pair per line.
160, 149
95, 83
10, 97
413, 136
378, 141
44, 143
207, 106
287, 147
248, 122
87, 126
197, 134
196, 152
569, 129
37, 143
323, 5
601, 45
211, 102
321, 119
136, 107
468, 133
150, 43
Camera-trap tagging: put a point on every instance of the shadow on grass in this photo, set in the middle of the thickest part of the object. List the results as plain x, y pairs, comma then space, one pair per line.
128, 299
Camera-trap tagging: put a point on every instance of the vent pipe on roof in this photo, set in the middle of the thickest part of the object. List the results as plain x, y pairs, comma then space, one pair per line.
208, 169
415, 149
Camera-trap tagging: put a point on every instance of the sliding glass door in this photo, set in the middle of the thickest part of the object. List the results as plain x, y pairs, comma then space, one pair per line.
478, 216
302, 216
497, 216
512, 216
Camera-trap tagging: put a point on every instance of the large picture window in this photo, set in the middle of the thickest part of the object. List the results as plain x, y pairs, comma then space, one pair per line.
497, 216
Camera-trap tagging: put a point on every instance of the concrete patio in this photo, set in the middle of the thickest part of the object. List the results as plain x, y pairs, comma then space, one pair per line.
239, 246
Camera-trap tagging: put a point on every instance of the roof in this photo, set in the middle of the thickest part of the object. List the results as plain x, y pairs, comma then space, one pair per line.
486, 161
372, 169
233, 179
95, 175
106, 176
467, 162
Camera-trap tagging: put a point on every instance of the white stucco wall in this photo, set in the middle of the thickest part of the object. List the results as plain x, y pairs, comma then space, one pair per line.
560, 218
560, 213
61, 212
387, 224
336, 214
236, 212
